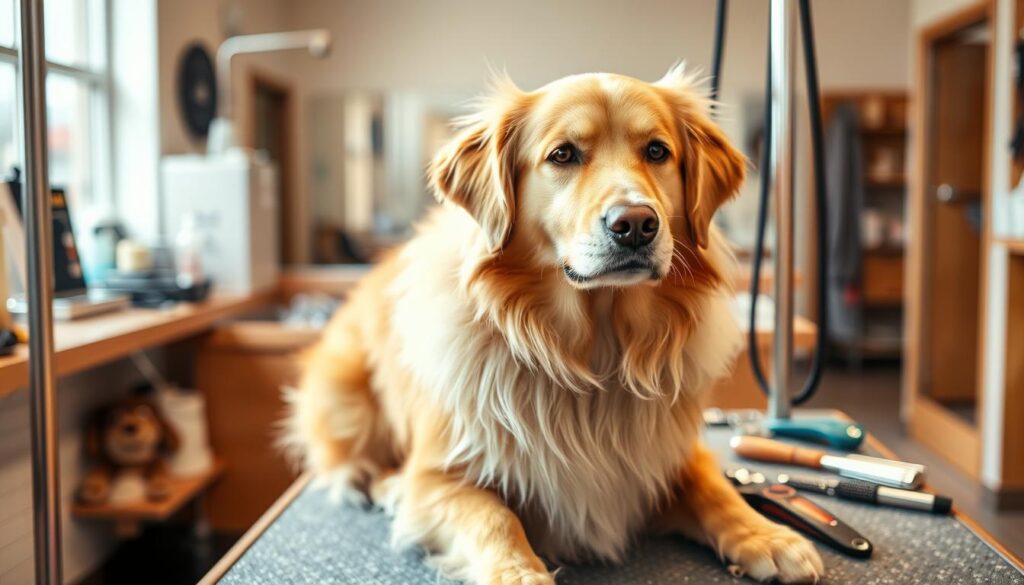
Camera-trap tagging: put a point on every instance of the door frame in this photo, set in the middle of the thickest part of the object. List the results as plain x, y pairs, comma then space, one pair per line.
292, 206
927, 421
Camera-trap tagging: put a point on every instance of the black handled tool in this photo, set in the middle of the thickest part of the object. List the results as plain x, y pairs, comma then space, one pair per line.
864, 491
783, 504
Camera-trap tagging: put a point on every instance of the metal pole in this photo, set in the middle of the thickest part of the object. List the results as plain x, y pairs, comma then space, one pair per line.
316, 41
782, 27
39, 228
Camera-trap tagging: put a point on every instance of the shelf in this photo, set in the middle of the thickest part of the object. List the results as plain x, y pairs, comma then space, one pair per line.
895, 183
85, 343
883, 303
884, 251
129, 516
884, 132
1014, 245
876, 346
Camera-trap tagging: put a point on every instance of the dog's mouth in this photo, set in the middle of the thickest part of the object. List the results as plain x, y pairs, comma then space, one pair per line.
628, 268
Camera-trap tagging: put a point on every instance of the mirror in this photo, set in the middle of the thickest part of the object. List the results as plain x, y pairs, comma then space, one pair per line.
367, 174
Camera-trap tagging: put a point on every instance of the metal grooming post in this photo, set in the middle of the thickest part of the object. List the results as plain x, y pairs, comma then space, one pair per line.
782, 28
39, 228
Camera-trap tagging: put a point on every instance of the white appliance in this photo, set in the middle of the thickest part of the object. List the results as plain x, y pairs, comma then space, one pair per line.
236, 195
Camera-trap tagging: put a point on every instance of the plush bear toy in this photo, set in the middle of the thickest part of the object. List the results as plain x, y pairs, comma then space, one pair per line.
128, 443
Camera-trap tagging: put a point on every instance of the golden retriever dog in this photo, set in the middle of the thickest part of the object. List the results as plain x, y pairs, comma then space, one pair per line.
523, 379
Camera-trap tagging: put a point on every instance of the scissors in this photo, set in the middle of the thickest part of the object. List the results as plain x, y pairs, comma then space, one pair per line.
785, 505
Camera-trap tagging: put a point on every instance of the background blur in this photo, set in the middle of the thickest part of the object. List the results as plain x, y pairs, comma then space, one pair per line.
921, 99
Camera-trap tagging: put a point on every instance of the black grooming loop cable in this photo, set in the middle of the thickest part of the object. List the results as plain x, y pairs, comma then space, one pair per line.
817, 148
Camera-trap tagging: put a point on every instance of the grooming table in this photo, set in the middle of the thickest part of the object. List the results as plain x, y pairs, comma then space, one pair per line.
306, 539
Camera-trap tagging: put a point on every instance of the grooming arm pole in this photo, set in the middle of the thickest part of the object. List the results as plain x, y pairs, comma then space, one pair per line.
316, 41
782, 28
39, 227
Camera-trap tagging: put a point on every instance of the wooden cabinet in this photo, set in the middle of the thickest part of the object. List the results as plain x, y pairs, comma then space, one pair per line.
882, 131
241, 369
883, 279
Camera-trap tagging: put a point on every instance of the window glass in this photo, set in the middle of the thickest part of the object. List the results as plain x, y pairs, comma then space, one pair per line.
9, 151
77, 106
68, 27
7, 23
68, 115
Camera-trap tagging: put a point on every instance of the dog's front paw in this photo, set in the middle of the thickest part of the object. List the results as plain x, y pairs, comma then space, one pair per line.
769, 551
520, 576
514, 570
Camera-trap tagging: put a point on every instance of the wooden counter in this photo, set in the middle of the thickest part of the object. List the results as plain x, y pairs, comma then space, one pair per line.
89, 342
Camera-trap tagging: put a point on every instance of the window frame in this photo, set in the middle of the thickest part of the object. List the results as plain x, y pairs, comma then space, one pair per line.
99, 83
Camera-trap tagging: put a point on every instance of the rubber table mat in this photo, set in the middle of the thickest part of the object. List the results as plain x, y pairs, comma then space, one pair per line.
314, 541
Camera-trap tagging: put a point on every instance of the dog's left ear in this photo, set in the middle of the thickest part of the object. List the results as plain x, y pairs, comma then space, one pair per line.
477, 170
712, 168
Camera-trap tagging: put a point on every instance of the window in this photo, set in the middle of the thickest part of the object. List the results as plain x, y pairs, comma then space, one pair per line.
77, 109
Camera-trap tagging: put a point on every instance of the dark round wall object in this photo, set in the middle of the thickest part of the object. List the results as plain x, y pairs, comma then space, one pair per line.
197, 89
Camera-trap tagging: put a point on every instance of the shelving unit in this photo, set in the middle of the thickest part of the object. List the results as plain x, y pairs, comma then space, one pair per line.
882, 116
129, 517
86, 343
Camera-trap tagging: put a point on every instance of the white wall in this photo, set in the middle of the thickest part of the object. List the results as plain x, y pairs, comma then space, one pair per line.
449, 44
926, 12
135, 115
994, 328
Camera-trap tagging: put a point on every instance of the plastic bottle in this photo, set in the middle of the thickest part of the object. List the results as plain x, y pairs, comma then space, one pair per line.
188, 253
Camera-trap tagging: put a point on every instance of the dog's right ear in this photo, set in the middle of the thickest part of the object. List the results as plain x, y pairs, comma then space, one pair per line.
712, 168
477, 170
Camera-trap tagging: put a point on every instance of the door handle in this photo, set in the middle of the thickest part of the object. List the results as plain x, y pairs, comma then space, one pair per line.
950, 195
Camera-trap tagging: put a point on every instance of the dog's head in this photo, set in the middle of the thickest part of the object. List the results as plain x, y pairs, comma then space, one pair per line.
602, 176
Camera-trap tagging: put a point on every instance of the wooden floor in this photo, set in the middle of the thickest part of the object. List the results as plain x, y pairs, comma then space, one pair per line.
871, 396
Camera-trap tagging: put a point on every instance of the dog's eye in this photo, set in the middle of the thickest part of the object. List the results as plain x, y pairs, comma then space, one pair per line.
564, 154
657, 152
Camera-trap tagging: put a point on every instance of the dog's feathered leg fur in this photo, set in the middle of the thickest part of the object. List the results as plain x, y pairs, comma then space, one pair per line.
471, 532
334, 415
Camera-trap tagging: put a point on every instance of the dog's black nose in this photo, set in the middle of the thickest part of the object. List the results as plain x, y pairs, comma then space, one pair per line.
632, 225
130, 428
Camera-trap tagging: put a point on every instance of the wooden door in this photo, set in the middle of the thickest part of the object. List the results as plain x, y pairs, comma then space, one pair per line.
948, 228
953, 199
271, 125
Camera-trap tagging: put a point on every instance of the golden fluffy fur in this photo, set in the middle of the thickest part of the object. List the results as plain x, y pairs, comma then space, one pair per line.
504, 388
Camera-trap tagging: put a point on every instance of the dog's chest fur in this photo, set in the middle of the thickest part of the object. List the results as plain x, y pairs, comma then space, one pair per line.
584, 470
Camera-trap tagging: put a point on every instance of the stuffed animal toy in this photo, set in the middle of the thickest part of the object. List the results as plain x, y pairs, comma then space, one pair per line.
128, 443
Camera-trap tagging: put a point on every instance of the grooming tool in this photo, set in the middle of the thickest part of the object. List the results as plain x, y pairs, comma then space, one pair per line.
716, 417
863, 491
872, 469
783, 504
837, 434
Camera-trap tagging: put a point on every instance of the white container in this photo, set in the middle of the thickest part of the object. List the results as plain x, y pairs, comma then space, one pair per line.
238, 195
186, 412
